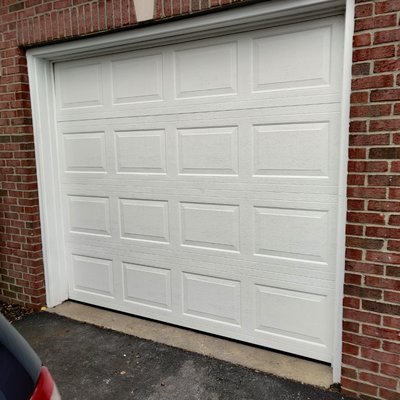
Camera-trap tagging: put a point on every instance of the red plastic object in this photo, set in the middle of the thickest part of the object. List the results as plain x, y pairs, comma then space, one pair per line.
45, 389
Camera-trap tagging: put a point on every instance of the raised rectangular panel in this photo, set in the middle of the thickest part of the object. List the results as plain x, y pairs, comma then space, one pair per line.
292, 60
79, 86
291, 233
295, 314
291, 149
213, 226
92, 274
141, 152
84, 152
144, 220
208, 151
89, 215
206, 71
137, 79
147, 285
211, 298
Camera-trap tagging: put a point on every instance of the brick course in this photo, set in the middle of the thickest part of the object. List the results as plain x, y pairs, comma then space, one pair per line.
371, 353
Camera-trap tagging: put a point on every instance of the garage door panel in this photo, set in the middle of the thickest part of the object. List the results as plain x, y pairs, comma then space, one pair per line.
200, 182
298, 63
304, 149
208, 150
205, 71
137, 79
291, 149
80, 86
294, 316
84, 152
140, 151
92, 275
291, 233
89, 215
142, 219
210, 226
148, 286
212, 299
292, 60
146, 253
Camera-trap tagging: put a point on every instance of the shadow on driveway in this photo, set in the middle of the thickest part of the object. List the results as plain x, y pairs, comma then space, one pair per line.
89, 362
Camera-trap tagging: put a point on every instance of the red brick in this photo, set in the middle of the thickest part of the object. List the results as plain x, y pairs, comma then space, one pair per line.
393, 270
357, 153
383, 283
392, 347
392, 297
360, 364
363, 10
388, 258
369, 139
385, 152
350, 349
359, 98
366, 193
370, 82
361, 316
357, 230
350, 326
393, 245
366, 268
385, 94
374, 53
380, 356
363, 39
358, 126
377, 380
394, 193
381, 308
361, 69
384, 180
359, 387
369, 218
392, 322
386, 206
387, 6
361, 243
370, 110
394, 220
392, 35
355, 180
390, 370
383, 21
353, 254
362, 292
388, 394
355, 205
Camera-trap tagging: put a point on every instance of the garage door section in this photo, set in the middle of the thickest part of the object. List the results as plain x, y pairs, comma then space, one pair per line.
200, 182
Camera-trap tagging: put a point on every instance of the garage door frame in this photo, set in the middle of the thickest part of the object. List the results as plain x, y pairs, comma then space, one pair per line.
41, 79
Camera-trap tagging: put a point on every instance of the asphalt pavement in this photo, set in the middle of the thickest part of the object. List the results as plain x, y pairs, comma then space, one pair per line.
89, 362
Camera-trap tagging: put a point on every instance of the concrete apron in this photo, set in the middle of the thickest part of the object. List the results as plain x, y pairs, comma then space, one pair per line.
252, 357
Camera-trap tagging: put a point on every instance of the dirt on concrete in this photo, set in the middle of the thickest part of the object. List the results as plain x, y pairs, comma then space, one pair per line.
14, 312
90, 362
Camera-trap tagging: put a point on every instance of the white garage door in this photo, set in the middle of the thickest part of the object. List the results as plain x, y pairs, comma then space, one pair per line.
200, 182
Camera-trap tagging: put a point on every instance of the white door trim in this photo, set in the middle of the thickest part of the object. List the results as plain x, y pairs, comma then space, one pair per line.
41, 80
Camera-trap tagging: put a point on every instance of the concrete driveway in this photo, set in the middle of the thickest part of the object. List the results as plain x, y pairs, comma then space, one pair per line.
89, 362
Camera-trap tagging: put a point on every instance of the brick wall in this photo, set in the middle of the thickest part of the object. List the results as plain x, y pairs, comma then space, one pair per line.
371, 340
371, 351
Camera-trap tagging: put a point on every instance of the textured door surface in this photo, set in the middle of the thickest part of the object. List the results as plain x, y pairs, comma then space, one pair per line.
200, 183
